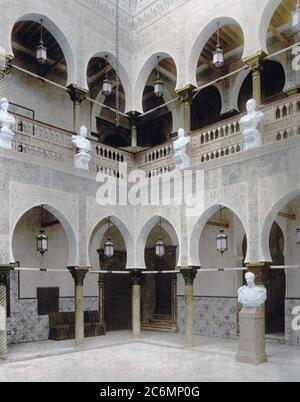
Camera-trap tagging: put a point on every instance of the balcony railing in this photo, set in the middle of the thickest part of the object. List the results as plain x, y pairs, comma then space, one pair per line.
42, 140
220, 140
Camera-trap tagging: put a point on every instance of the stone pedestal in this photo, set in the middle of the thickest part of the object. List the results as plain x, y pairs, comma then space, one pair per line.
82, 161
252, 345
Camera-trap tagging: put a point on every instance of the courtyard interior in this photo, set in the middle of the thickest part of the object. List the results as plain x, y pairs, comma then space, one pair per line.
117, 358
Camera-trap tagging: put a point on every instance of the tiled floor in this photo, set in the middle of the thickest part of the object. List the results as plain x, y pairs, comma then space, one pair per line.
157, 357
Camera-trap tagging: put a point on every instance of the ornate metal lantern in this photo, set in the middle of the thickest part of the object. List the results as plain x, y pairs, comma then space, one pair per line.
42, 243
160, 248
107, 86
41, 238
109, 250
41, 50
218, 55
222, 242
158, 84
222, 238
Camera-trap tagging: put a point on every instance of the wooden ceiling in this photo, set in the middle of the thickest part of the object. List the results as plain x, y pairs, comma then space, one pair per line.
26, 37
282, 18
231, 37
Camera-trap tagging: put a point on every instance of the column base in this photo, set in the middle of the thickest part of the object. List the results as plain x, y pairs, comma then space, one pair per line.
252, 344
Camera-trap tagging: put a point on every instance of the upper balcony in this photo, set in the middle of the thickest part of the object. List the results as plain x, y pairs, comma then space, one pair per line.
221, 140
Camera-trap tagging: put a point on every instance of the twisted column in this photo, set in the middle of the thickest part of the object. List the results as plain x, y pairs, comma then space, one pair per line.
101, 287
78, 275
77, 95
255, 65
4, 274
186, 95
133, 116
2, 78
4, 69
189, 275
136, 277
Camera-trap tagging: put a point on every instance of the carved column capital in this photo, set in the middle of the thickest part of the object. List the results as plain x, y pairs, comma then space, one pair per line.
5, 61
186, 93
4, 274
136, 276
76, 93
258, 269
78, 274
189, 274
254, 62
132, 117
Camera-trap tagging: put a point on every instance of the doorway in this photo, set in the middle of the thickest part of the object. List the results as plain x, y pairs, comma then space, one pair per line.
275, 282
117, 290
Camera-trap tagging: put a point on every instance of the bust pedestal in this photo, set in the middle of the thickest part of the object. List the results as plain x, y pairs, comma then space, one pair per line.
82, 161
6, 137
252, 345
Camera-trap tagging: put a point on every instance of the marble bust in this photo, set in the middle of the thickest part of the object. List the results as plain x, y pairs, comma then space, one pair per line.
82, 158
252, 296
252, 138
181, 158
6, 122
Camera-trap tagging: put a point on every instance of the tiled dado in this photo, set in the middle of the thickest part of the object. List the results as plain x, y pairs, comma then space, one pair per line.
214, 317
292, 337
24, 324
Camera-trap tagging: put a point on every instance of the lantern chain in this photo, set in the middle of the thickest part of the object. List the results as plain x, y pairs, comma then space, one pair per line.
117, 64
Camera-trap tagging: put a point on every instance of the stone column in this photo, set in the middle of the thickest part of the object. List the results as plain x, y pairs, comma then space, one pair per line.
255, 65
101, 305
133, 116
186, 95
189, 275
174, 301
77, 95
136, 276
4, 274
4, 69
78, 275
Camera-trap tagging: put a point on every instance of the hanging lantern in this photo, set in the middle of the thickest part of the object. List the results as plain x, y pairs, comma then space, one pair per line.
42, 243
222, 242
41, 238
222, 239
296, 17
109, 248
109, 245
160, 248
41, 50
218, 55
298, 235
158, 84
159, 88
107, 86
